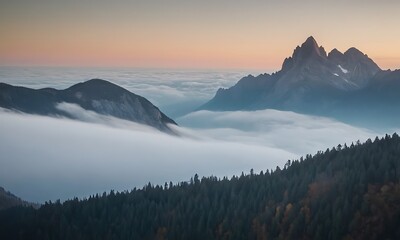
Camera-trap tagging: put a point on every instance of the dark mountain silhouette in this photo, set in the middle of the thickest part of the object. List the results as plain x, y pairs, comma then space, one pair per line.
8, 200
346, 192
337, 85
97, 95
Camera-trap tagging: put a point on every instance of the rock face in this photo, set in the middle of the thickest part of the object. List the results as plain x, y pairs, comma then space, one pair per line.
96, 95
314, 82
310, 65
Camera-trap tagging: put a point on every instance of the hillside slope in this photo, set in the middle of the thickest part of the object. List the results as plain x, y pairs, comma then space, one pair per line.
96, 95
8, 200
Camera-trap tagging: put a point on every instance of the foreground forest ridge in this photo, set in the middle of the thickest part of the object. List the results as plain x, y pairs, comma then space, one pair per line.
347, 192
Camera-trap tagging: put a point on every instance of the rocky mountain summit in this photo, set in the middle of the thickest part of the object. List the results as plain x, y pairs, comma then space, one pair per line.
347, 86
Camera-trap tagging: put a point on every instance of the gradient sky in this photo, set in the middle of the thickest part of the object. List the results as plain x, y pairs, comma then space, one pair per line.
218, 34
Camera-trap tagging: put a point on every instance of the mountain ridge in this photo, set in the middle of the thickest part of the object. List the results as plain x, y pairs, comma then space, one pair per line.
100, 96
313, 82
9, 200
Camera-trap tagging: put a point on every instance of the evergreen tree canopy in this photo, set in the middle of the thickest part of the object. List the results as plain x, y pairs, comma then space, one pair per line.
350, 192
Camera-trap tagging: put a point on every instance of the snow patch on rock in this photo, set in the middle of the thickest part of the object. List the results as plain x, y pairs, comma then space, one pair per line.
343, 69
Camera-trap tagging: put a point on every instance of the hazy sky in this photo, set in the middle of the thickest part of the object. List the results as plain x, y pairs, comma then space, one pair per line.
251, 34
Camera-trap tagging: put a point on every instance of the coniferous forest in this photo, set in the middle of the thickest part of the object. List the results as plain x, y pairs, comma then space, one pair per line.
347, 192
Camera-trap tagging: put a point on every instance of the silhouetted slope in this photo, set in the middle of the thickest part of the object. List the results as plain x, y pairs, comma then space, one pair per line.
96, 95
347, 192
8, 200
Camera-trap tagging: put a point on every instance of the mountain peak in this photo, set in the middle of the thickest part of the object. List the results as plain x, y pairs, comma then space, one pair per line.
97, 95
309, 79
310, 41
335, 52
336, 56
354, 52
96, 82
308, 50
99, 87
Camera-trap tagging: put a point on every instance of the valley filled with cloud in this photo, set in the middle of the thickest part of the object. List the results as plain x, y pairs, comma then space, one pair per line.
49, 158
46, 158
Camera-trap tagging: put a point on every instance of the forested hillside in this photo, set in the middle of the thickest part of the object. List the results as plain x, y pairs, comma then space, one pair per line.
8, 200
349, 192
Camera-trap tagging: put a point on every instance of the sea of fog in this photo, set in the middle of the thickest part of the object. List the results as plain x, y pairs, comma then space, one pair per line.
45, 158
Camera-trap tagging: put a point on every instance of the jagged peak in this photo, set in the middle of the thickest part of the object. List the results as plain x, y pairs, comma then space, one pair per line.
309, 49
335, 52
356, 55
287, 63
322, 51
310, 41
354, 51
335, 55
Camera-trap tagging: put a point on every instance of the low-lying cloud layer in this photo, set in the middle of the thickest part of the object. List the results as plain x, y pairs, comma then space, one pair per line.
297, 133
45, 158
48, 158
78, 113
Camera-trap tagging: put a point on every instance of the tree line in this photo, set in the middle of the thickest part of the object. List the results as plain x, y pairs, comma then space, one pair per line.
346, 192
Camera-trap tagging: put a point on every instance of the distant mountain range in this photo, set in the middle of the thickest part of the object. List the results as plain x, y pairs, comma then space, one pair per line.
97, 95
347, 86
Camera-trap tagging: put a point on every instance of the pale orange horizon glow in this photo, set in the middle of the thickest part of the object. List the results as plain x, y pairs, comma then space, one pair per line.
248, 35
